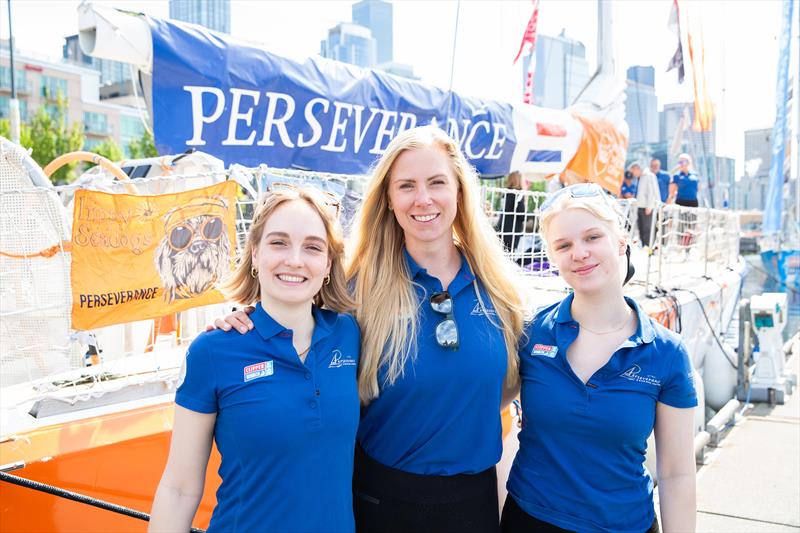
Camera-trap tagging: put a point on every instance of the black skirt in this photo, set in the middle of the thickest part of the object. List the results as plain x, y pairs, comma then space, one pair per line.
388, 500
515, 520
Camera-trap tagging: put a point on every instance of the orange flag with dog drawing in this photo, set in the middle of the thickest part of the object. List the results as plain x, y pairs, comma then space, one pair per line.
139, 257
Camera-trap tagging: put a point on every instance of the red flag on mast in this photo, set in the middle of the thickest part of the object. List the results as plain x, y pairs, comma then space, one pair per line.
529, 37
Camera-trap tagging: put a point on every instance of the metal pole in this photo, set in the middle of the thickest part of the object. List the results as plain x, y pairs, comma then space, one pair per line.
662, 243
708, 227
13, 105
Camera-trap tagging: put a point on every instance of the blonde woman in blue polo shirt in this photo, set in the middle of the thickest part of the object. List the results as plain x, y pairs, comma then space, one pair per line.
598, 375
281, 401
441, 318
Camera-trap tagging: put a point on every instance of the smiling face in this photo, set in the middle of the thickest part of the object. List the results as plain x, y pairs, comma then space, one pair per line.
423, 193
292, 255
585, 250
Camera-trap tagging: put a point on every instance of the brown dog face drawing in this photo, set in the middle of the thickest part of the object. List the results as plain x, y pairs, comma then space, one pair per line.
195, 252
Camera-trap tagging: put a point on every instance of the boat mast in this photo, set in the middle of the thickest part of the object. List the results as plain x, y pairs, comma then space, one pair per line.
605, 44
13, 105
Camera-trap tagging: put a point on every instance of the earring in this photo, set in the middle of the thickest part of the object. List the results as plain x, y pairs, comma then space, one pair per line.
328, 279
389, 207
253, 272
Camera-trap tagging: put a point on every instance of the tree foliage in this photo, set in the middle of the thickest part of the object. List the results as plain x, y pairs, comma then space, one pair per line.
48, 135
110, 150
143, 147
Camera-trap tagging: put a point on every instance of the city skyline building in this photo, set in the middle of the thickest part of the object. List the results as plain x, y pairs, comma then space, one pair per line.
695, 143
350, 43
641, 106
562, 71
377, 16
213, 14
111, 72
367, 41
38, 84
757, 159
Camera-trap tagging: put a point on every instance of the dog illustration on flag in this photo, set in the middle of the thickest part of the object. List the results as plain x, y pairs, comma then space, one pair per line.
194, 254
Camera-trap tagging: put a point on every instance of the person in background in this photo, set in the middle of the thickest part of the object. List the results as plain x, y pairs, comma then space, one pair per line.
663, 178
598, 376
683, 191
281, 401
628, 189
512, 218
441, 320
685, 184
647, 200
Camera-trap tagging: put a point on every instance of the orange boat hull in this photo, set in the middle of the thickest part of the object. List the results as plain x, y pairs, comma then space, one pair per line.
118, 458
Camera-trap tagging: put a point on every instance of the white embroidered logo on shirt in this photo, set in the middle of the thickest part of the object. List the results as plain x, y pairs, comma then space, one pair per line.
632, 374
338, 360
545, 350
478, 310
258, 370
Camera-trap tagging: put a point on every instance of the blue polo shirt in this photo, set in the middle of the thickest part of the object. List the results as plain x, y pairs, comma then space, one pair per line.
580, 464
687, 185
628, 188
442, 417
285, 430
663, 184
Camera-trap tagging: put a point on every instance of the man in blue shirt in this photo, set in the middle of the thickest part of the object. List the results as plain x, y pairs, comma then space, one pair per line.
663, 178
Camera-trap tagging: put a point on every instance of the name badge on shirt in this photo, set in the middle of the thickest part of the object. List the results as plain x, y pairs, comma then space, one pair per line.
258, 370
545, 350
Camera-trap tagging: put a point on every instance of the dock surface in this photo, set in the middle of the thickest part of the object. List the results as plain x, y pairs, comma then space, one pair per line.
751, 483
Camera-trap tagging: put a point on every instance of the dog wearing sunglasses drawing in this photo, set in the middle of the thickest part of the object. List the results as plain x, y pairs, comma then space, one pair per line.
194, 254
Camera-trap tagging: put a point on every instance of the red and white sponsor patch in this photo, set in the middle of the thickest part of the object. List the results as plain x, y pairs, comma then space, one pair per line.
545, 350
258, 370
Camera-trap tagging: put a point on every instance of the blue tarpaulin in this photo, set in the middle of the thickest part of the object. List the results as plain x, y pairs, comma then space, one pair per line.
246, 105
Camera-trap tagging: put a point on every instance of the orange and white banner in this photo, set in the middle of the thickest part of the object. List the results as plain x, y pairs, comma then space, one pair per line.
600, 158
139, 257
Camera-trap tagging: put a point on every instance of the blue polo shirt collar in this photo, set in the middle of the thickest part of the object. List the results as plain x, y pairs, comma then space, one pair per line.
268, 327
644, 334
463, 278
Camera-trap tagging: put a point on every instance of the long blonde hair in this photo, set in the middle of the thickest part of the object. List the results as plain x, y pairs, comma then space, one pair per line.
387, 304
244, 288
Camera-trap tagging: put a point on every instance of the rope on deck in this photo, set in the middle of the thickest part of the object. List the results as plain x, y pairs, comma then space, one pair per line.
80, 498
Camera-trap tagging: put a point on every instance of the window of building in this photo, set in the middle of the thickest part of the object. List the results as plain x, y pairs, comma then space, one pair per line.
52, 87
5, 108
20, 79
95, 123
131, 129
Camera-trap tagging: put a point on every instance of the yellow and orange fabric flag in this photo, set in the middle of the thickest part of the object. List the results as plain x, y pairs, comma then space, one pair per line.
703, 108
139, 257
601, 155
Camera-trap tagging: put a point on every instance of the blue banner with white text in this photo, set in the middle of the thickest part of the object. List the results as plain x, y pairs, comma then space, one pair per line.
246, 105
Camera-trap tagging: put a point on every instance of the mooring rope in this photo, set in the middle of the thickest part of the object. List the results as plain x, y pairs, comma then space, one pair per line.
80, 498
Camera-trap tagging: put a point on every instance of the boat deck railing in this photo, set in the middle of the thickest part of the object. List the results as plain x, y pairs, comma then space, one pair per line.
36, 339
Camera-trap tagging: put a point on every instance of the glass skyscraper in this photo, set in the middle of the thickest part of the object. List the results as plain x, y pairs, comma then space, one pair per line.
213, 14
641, 106
561, 71
350, 43
377, 16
